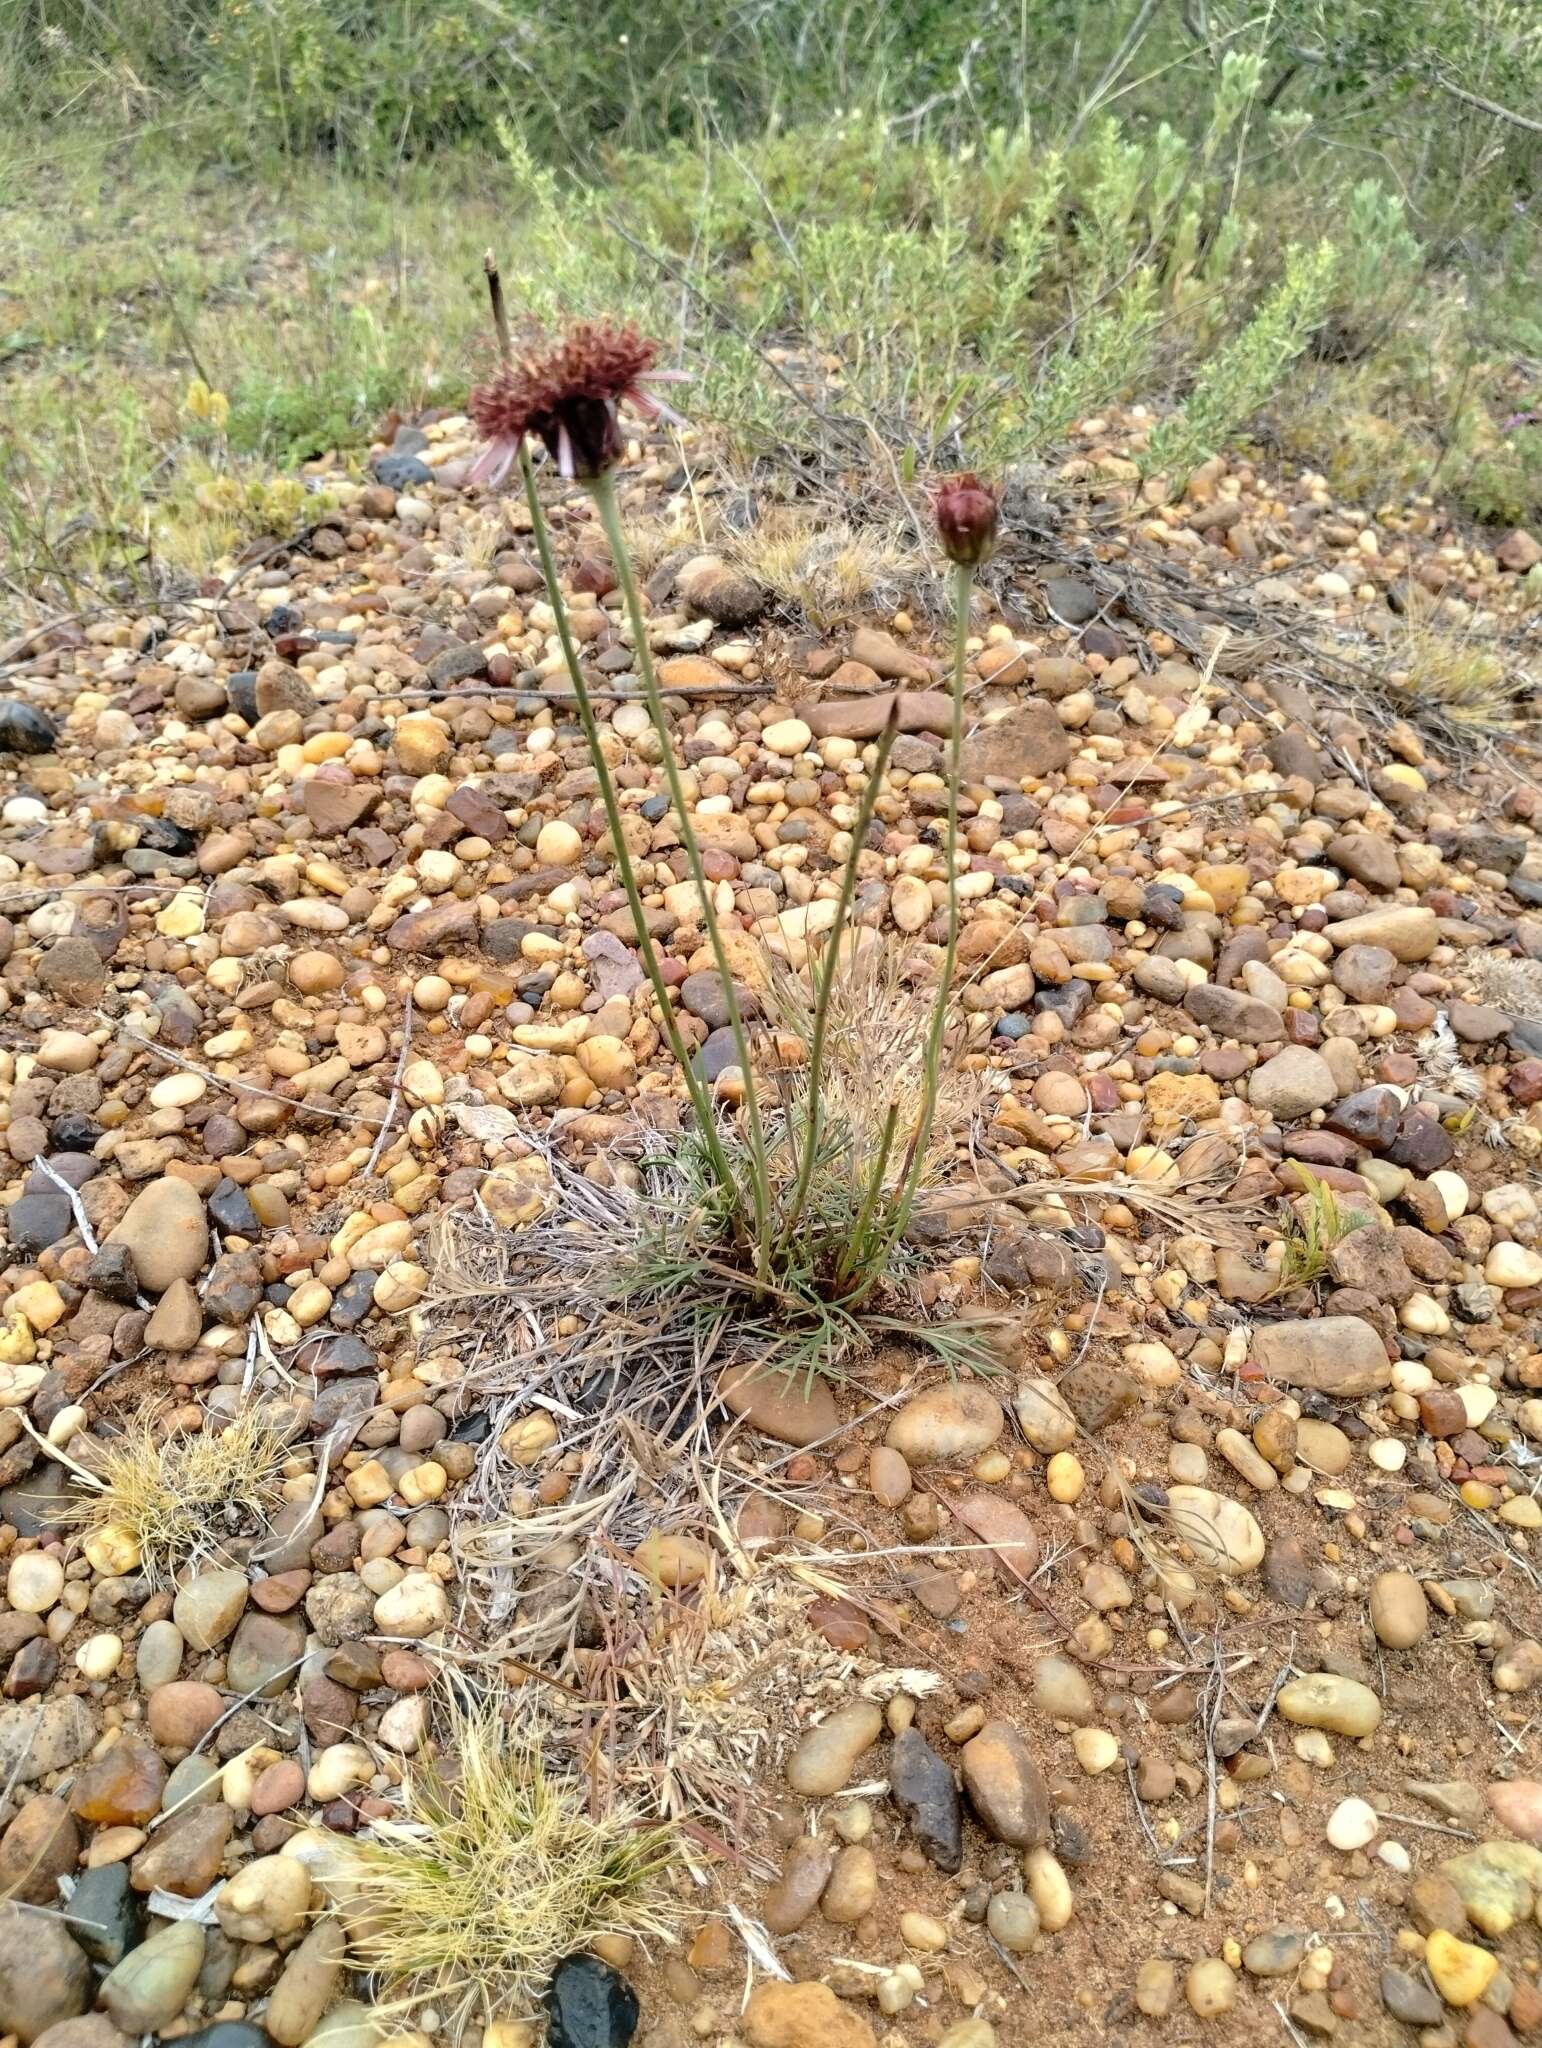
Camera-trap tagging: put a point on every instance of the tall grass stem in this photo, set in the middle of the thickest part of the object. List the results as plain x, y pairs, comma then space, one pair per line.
696, 1088
758, 1172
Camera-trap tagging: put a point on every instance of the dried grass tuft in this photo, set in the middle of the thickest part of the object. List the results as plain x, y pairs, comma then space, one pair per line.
1434, 655
1512, 983
875, 1055
181, 1495
826, 566
494, 1872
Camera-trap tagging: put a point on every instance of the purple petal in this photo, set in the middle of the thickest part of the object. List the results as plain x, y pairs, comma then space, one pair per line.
495, 460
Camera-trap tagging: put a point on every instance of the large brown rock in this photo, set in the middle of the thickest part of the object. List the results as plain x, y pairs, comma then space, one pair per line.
790, 1410
1028, 741
803, 2016
44, 1977
1006, 1788
1338, 1355
165, 1229
446, 927
40, 1846
1231, 1014
1408, 932
864, 718
334, 805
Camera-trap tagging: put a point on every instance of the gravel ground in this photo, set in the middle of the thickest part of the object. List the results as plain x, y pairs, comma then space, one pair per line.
1176, 1681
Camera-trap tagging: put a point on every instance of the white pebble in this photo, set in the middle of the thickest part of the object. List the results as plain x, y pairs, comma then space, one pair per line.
99, 1656
34, 1582
1352, 1824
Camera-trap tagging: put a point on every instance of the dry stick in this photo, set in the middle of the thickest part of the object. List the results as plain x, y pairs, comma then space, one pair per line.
1212, 1716
246, 1699
509, 691
234, 1084
500, 310
87, 1235
1459, 92
396, 1089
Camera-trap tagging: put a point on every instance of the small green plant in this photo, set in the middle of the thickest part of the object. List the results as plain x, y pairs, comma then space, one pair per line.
491, 1872
1316, 1224
1240, 376
789, 1217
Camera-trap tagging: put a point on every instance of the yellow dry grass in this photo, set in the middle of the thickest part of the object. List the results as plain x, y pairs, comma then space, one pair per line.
492, 1873
1435, 656
179, 1495
829, 568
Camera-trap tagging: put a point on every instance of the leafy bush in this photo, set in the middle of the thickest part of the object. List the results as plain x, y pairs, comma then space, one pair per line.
1237, 380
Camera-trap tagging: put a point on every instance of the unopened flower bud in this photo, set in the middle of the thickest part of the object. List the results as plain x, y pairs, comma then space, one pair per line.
966, 511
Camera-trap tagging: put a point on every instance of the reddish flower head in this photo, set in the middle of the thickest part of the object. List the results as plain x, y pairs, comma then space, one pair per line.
966, 512
567, 394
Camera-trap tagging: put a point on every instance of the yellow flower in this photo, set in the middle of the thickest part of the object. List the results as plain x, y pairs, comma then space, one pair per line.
204, 404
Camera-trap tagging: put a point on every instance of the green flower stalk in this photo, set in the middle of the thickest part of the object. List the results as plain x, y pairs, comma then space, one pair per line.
701, 1102
604, 488
793, 1218
967, 512
567, 395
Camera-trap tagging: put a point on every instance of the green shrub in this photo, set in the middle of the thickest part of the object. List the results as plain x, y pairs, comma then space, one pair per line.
1234, 383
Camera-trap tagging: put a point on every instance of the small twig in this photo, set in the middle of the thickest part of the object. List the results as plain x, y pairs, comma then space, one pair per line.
87, 1235
602, 691
1289, 2024
1473, 99
1216, 1691
396, 1079
61, 1456
16, 650
1140, 1810
245, 1700
500, 310
234, 1084
1430, 1827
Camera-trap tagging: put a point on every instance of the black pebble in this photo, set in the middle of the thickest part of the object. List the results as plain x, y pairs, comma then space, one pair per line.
105, 1916
922, 1786
73, 1131
162, 836
353, 1301
401, 472
232, 1211
241, 689
590, 2006
111, 1272
25, 730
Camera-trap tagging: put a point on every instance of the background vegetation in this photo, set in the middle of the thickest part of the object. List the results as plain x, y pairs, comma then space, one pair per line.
235, 233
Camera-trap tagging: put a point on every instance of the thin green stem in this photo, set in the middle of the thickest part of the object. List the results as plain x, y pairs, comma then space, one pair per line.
814, 1084
854, 1255
701, 1102
920, 1137
604, 489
